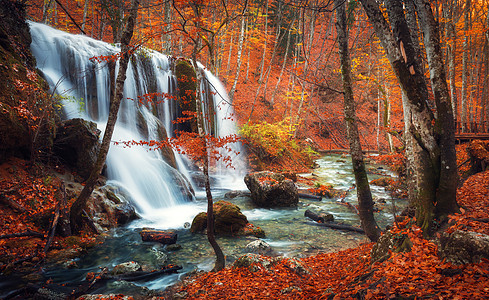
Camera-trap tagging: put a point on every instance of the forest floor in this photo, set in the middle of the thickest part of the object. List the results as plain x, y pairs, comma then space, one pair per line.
420, 273
30, 194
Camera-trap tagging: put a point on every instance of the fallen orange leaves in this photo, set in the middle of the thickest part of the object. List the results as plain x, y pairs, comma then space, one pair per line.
349, 274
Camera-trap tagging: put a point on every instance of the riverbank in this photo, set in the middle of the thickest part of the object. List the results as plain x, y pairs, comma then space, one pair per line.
421, 273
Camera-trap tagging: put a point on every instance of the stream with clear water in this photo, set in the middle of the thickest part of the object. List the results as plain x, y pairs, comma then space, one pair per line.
288, 232
148, 181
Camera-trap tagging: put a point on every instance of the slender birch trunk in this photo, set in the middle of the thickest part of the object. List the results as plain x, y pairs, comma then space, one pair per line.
365, 201
238, 59
465, 71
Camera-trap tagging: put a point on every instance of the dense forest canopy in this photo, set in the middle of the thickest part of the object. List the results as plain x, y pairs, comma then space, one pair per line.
288, 72
302, 76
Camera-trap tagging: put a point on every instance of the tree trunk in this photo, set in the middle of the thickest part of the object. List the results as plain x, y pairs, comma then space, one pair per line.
452, 48
238, 59
284, 63
465, 71
434, 177
85, 11
230, 55
220, 259
166, 37
76, 211
262, 63
365, 201
445, 125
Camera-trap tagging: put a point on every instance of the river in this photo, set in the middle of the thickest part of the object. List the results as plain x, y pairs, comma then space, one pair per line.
288, 232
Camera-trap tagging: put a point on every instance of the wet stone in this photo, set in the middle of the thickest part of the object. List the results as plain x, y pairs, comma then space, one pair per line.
125, 268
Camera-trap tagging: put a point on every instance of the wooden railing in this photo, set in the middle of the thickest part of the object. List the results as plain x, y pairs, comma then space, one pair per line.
473, 131
472, 127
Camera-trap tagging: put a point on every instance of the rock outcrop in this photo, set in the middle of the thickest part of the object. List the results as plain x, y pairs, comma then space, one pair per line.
104, 207
77, 144
27, 115
269, 189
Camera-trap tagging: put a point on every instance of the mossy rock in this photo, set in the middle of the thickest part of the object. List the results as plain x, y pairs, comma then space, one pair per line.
388, 243
25, 108
228, 220
187, 85
199, 223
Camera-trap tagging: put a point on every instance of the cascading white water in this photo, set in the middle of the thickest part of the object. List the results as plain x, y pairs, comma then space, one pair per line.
226, 126
143, 175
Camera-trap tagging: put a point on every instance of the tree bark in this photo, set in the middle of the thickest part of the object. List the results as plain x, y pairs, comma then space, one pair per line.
465, 71
365, 201
445, 125
262, 63
160, 236
76, 211
452, 48
240, 51
166, 37
220, 259
434, 190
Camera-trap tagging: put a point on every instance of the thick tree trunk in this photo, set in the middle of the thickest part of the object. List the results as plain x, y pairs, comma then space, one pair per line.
365, 201
76, 211
446, 202
428, 152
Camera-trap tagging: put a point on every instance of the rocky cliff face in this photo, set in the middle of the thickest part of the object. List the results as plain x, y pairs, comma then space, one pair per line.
27, 113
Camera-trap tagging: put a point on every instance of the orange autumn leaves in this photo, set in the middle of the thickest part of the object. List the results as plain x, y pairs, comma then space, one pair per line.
31, 197
349, 274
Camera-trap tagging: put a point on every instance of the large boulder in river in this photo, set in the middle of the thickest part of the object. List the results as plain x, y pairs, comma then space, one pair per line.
228, 220
77, 144
269, 189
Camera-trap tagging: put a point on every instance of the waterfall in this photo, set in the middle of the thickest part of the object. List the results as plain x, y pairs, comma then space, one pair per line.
145, 177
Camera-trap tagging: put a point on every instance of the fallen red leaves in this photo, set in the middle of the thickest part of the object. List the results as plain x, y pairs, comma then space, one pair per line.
349, 274
28, 196
473, 197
